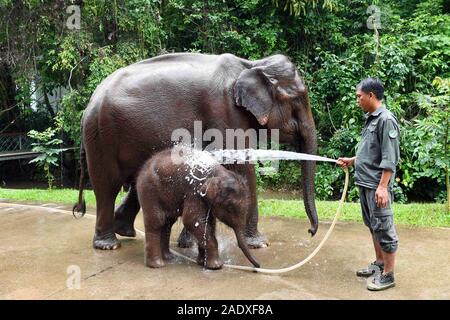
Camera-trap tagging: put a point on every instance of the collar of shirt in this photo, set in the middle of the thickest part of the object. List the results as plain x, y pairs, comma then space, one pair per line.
376, 113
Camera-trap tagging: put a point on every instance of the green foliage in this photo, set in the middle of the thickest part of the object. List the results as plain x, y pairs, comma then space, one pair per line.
248, 28
413, 50
327, 39
298, 7
46, 145
428, 142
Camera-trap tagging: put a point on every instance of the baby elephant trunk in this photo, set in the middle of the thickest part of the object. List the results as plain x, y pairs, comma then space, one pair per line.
243, 245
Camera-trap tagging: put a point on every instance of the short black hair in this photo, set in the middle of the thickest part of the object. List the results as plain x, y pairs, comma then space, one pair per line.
373, 85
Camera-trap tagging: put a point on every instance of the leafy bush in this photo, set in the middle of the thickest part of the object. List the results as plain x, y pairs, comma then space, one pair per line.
328, 40
46, 145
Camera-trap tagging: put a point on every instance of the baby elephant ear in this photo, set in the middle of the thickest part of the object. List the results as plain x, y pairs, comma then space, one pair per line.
210, 189
252, 91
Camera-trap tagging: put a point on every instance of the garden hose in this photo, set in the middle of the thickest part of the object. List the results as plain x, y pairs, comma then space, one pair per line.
299, 264
245, 268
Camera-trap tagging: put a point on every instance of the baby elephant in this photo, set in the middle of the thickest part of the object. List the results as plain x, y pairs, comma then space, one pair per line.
192, 184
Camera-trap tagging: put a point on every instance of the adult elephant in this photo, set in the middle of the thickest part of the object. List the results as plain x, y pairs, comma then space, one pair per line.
133, 112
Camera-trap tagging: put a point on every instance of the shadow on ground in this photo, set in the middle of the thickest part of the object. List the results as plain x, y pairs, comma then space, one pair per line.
39, 244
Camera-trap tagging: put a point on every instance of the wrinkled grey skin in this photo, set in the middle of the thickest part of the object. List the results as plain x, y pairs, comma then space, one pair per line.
133, 112
166, 190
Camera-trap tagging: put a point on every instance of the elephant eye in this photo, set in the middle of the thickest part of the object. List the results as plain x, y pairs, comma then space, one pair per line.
230, 207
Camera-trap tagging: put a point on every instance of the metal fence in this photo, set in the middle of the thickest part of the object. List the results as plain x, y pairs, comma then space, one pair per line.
15, 142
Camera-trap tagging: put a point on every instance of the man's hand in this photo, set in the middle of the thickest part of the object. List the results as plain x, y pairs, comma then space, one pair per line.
346, 162
382, 197
382, 194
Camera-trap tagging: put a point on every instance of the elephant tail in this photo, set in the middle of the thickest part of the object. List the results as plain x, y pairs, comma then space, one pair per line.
80, 207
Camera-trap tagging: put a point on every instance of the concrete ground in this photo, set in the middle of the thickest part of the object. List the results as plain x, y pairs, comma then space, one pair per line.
41, 250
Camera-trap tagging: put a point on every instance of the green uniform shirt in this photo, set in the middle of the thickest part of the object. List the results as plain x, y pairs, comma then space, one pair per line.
378, 150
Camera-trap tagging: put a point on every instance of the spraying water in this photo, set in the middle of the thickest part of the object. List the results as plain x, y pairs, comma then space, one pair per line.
202, 162
204, 238
253, 155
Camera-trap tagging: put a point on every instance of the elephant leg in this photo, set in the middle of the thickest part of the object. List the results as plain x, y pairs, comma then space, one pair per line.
105, 193
154, 222
165, 240
153, 254
253, 237
185, 239
125, 214
208, 248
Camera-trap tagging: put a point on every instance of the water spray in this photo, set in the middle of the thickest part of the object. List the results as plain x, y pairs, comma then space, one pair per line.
254, 155
265, 155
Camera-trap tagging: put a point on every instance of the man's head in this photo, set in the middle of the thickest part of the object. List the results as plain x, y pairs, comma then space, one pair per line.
369, 93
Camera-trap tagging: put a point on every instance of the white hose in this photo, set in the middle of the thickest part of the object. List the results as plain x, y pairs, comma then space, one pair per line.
245, 268
299, 264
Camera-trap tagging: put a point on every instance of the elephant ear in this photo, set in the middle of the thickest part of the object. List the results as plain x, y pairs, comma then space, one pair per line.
216, 190
252, 91
210, 190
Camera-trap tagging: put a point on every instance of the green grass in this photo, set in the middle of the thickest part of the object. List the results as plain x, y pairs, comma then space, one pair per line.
65, 196
415, 214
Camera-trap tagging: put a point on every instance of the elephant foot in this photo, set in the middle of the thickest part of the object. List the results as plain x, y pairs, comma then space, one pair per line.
124, 228
155, 263
211, 263
185, 240
106, 242
256, 241
168, 256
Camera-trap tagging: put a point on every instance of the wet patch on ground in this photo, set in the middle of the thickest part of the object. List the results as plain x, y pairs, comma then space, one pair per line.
40, 244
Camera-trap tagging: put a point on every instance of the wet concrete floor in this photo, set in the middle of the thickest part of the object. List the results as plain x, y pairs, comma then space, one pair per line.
42, 250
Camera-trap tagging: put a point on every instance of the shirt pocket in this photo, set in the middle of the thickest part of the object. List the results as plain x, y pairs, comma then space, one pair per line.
372, 135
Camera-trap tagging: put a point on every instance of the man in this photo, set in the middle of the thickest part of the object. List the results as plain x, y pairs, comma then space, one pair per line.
375, 162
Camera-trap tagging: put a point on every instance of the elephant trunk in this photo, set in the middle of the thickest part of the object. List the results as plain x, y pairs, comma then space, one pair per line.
243, 245
308, 145
308, 173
